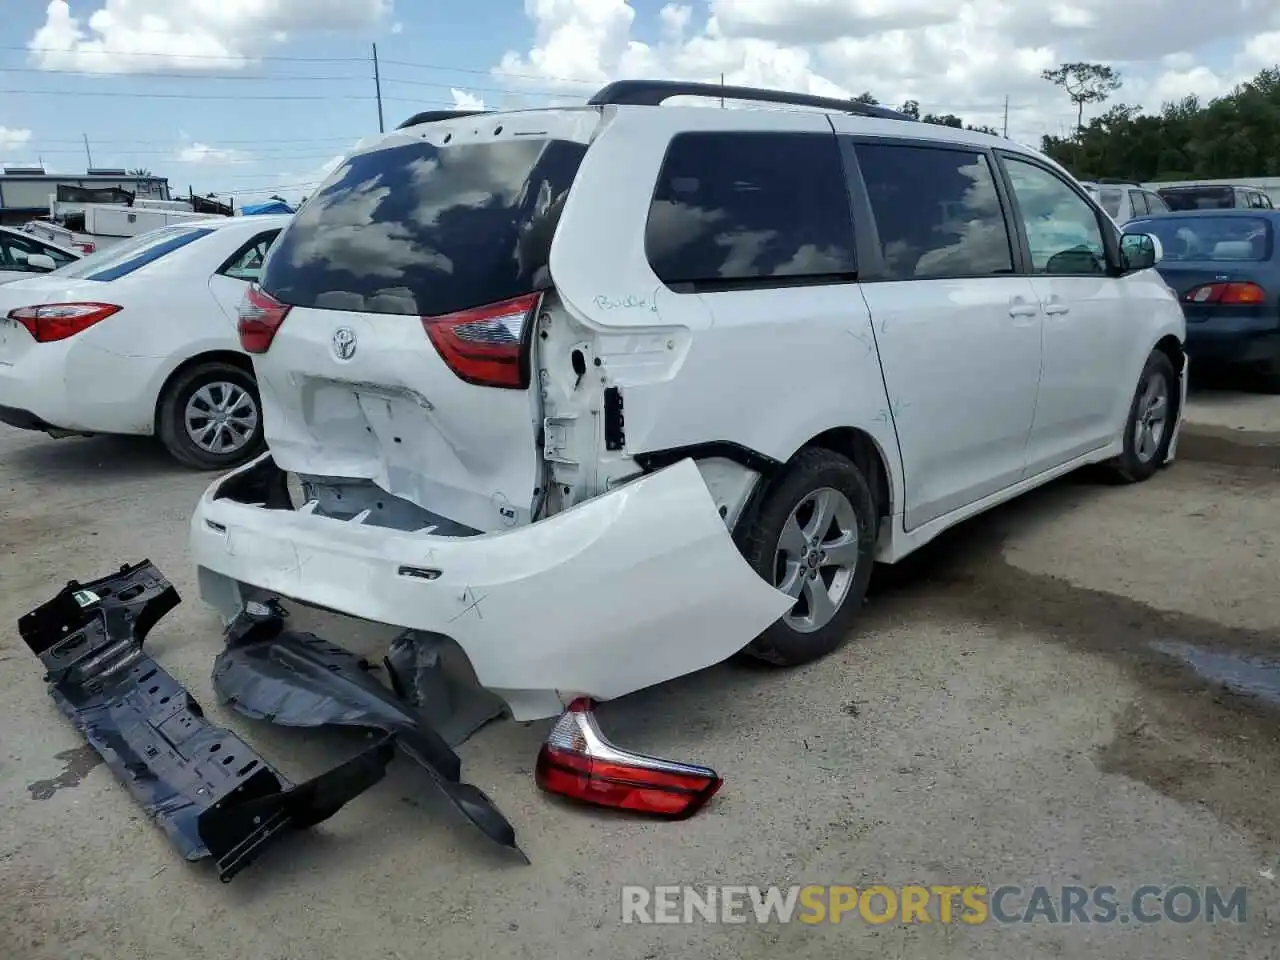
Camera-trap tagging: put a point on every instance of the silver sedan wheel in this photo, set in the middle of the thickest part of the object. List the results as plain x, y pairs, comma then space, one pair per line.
1153, 418
221, 417
816, 558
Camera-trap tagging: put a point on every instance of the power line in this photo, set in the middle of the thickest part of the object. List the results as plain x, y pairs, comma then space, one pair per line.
185, 96
166, 75
234, 58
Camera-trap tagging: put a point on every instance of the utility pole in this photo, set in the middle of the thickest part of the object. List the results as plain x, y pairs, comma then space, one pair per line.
86, 150
1006, 116
377, 87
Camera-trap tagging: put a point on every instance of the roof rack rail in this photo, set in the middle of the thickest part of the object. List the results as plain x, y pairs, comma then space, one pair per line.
1118, 181
653, 93
431, 116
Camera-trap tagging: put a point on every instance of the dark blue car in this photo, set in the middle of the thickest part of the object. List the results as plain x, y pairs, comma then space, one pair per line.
1224, 266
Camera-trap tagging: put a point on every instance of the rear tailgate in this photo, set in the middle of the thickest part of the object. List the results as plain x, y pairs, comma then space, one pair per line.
450, 222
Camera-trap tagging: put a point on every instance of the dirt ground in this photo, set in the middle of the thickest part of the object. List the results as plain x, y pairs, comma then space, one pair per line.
1004, 715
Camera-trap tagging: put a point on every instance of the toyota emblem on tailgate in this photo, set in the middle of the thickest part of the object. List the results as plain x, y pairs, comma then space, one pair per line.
344, 343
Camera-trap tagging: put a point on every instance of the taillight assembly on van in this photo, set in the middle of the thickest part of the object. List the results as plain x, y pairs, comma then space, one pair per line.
1236, 292
578, 762
485, 345
57, 321
260, 317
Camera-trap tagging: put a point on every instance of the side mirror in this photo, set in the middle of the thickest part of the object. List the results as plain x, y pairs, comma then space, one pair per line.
1140, 251
41, 263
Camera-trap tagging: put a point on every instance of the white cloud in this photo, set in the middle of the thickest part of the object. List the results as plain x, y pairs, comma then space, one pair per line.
130, 36
12, 138
953, 56
463, 100
197, 152
397, 27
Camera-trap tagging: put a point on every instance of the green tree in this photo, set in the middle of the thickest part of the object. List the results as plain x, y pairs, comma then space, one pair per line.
911, 108
140, 172
866, 97
1084, 83
1229, 137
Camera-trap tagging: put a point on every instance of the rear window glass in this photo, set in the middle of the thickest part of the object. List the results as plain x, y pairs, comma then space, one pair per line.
1109, 198
425, 230
1206, 198
123, 258
1210, 238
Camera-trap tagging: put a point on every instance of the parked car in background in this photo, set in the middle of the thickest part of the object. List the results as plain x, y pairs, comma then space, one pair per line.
1214, 197
1224, 267
517, 363
23, 256
141, 339
1124, 200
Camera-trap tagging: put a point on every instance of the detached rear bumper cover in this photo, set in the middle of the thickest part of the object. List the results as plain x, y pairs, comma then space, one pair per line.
630, 589
210, 793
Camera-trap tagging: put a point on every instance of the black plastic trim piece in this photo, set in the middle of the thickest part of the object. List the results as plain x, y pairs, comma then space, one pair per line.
615, 437
653, 93
300, 680
210, 793
433, 116
658, 459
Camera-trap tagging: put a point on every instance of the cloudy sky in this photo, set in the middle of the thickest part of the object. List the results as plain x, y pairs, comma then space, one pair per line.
251, 97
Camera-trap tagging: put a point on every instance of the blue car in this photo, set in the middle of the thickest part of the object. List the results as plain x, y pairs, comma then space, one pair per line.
1224, 266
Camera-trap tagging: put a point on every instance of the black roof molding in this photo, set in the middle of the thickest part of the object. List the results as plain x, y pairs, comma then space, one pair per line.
653, 93
432, 116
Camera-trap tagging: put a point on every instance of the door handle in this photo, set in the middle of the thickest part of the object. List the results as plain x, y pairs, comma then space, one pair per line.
1056, 308
1020, 308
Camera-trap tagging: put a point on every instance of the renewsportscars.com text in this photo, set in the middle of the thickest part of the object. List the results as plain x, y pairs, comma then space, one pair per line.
971, 904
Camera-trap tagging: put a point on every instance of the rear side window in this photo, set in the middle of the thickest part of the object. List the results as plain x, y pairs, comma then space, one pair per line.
1137, 203
1212, 239
750, 209
937, 211
426, 230
1155, 204
124, 258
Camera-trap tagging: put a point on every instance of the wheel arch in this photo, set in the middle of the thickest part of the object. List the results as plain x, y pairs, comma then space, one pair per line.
865, 452
231, 357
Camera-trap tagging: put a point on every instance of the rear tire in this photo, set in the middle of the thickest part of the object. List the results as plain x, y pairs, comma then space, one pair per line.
210, 417
1148, 430
825, 563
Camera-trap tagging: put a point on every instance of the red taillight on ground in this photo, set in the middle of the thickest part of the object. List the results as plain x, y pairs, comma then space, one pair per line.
577, 761
260, 317
1226, 293
484, 345
57, 321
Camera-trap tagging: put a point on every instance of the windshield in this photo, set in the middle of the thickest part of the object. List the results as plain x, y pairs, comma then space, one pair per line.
425, 230
129, 255
1202, 198
1215, 239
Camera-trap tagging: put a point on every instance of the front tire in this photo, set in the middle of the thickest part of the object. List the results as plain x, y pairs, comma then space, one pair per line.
813, 536
210, 417
1148, 430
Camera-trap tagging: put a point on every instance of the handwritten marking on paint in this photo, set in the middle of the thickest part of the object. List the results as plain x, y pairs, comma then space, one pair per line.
629, 302
894, 411
863, 339
473, 603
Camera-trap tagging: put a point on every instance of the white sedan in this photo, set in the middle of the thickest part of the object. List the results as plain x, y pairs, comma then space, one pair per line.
23, 256
141, 339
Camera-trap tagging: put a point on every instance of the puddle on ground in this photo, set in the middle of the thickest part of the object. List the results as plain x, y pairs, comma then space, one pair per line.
1248, 675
